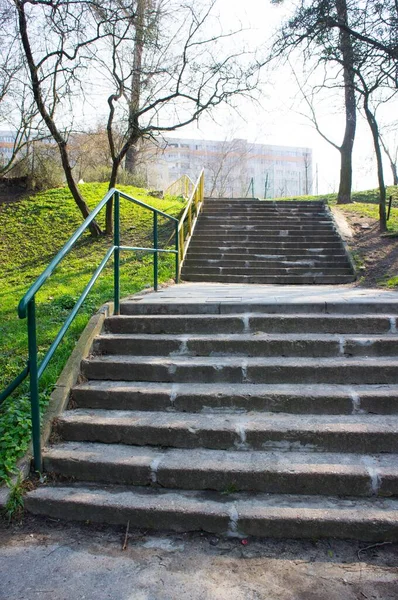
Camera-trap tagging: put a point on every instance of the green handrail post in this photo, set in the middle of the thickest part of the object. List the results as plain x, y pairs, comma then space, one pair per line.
34, 385
156, 253
116, 260
177, 252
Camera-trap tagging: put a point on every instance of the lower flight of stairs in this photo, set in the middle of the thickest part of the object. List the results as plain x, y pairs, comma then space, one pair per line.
252, 241
239, 419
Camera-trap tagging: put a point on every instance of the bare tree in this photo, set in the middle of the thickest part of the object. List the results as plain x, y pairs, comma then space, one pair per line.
310, 31
55, 51
166, 70
226, 168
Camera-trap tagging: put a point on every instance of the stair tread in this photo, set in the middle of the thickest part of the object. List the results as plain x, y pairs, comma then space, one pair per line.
291, 506
247, 389
267, 421
365, 361
252, 337
219, 460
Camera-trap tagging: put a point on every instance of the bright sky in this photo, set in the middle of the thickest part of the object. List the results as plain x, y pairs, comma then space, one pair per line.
274, 121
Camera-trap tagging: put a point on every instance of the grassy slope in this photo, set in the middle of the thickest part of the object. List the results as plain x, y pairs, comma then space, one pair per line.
32, 232
365, 203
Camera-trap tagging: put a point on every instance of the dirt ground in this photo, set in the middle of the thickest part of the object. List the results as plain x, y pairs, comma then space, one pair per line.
68, 561
378, 255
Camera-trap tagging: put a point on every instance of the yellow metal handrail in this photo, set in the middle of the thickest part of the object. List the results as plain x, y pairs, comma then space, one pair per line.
189, 217
183, 186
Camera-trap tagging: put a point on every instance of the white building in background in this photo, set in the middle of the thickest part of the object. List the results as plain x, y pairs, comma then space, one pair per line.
235, 168
7, 140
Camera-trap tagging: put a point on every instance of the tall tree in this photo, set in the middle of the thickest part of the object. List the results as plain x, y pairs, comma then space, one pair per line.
310, 30
168, 63
51, 39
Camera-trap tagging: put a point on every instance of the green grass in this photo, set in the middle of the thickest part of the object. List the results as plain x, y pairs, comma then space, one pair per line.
32, 232
363, 197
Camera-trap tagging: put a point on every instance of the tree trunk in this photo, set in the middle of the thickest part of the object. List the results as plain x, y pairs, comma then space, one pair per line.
394, 172
48, 118
376, 142
74, 190
344, 193
131, 156
109, 206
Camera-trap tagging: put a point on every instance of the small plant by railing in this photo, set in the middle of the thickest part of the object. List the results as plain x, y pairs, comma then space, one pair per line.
27, 306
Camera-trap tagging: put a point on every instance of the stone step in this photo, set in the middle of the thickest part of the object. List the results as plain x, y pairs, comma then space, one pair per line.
235, 259
264, 267
363, 324
252, 270
273, 279
245, 219
252, 236
264, 246
256, 225
242, 398
358, 434
262, 344
233, 471
236, 515
362, 308
238, 369
265, 205
225, 214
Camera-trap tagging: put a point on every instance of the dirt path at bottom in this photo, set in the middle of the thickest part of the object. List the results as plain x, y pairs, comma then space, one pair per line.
64, 561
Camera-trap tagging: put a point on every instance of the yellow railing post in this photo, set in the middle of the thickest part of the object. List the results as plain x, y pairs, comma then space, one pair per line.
190, 215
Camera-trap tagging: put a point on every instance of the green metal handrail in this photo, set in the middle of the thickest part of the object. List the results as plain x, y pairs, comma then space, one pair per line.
27, 306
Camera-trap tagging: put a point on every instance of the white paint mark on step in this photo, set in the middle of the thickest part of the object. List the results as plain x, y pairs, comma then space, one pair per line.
183, 349
356, 404
393, 325
246, 323
341, 346
233, 522
371, 467
173, 394
244, 372
155, 466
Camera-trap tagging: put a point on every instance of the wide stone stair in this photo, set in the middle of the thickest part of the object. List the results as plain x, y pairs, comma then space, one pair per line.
253, 241
275, 420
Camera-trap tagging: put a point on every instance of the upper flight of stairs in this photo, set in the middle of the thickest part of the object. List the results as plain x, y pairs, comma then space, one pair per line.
276, 420
252, 241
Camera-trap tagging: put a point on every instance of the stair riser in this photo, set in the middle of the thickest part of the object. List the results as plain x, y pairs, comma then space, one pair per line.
193, 308
274, 279
222, 402
343, 373
258, 227
275, 481
250, 270
254, 237
251, 324
234, 258
199, 263
136, 434
252, 347
278, 523
281, 247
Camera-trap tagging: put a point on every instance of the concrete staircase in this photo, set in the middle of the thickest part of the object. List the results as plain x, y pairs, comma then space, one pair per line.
252, 241
275, 420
